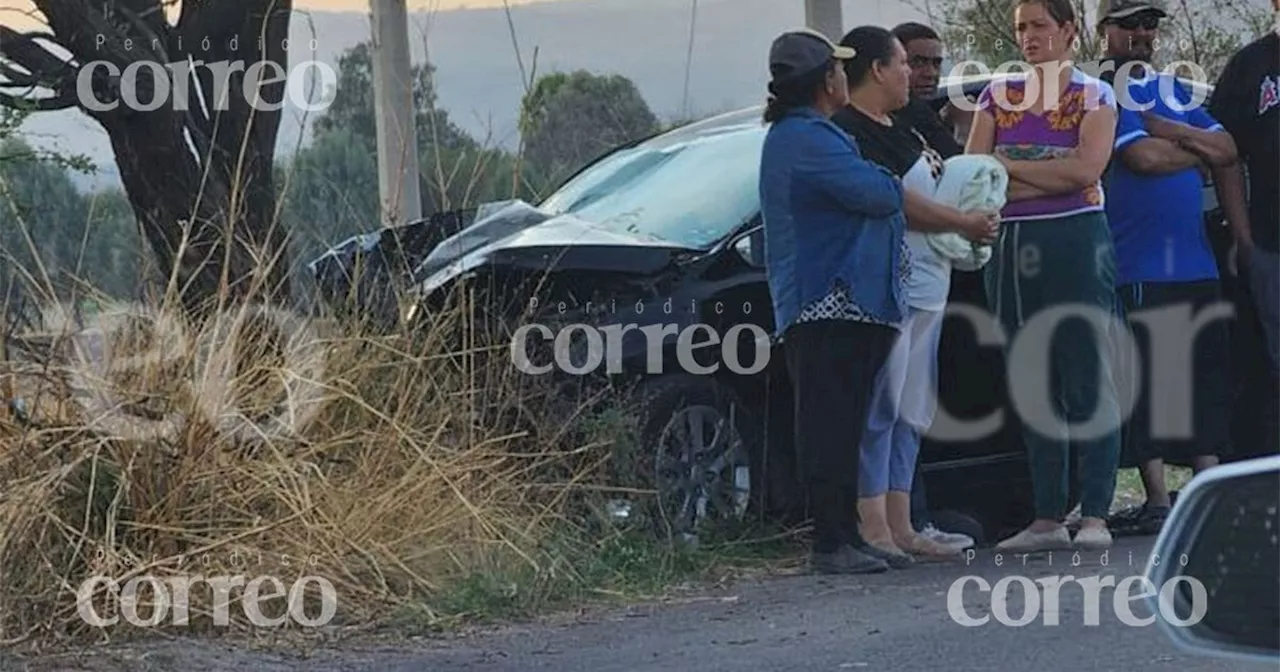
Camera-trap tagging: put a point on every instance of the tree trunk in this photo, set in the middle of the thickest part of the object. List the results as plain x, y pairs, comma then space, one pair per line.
200, 179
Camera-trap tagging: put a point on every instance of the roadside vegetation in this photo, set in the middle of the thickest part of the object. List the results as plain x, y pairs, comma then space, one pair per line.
417, 471
430, 484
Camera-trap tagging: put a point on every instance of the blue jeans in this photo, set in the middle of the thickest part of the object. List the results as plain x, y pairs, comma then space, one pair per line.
903, 407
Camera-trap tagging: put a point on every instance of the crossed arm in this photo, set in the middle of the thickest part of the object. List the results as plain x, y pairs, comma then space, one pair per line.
1080, 168
1214, 147
1170, 146
1071, 173
1021, 191
1158, 156
982, 140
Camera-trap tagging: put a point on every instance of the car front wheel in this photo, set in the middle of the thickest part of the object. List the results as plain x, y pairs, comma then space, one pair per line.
697, 437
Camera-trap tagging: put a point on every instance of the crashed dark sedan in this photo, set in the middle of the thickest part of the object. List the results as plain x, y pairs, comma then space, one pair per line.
654, 238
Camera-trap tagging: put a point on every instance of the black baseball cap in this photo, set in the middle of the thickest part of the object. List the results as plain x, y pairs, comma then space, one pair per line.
1109, 10
800, 51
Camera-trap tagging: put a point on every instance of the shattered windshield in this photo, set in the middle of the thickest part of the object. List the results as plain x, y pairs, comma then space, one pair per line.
690, 189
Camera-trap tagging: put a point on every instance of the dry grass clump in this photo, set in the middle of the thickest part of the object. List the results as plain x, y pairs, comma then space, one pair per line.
394, 466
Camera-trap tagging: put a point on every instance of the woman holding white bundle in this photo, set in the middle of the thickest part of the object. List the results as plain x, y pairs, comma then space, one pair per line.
904, 401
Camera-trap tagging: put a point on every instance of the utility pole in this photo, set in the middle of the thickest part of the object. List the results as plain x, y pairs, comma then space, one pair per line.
825, 17
393, 112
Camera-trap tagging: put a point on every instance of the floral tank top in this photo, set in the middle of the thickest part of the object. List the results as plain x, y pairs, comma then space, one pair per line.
1026, 136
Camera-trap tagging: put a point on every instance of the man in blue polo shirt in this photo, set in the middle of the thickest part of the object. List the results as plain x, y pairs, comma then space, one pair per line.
1165, 143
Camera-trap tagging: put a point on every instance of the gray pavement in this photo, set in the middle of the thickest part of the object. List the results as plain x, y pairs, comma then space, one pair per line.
893, 621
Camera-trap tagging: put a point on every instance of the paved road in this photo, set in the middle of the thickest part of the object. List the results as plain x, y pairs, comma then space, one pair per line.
893, 621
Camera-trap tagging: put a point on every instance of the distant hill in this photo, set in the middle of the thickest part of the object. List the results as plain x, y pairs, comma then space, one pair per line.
479, 80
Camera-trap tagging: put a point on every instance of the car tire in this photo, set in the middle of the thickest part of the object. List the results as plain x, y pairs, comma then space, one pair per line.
672, 410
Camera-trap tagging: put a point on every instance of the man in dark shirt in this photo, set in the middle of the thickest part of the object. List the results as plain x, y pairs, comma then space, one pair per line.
924, 53
1246, 99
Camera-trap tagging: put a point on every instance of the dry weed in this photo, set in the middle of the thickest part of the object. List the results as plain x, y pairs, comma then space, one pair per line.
392, 466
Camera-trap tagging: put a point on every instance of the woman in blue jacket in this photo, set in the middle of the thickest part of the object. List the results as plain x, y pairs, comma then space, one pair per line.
833, 227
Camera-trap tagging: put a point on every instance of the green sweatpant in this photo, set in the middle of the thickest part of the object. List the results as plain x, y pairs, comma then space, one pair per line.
1052, 285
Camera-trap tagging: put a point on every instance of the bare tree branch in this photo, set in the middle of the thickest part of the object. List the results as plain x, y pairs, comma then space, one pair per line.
45, 66
37, 104
208, 215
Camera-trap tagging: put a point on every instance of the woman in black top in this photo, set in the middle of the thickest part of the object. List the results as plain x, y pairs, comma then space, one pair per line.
906, 391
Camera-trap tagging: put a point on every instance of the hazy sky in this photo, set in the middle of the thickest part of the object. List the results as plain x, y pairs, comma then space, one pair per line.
13, 13
414, 5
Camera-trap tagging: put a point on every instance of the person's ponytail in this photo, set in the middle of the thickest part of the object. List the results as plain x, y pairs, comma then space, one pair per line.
797, 92
773, 111
774, 107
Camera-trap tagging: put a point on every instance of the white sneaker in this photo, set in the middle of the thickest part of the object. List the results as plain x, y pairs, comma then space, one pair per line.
1027, 541
959, 541
1093, 538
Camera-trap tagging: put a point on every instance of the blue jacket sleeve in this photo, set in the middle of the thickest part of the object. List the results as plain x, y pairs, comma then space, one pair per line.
837, 169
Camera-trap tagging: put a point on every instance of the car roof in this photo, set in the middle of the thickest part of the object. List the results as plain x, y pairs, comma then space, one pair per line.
751, 118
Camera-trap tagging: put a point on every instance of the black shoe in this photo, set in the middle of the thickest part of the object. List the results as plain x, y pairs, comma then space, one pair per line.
1125, 517
895, 560
1140, 521
846, 560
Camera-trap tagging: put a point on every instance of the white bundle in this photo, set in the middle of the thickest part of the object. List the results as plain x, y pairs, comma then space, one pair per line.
969, 182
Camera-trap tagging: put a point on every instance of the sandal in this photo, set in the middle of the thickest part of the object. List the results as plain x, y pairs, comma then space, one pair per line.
925, 549
896, 558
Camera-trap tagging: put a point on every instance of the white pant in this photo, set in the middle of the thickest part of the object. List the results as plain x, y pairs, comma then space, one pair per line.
902, 407
911, 374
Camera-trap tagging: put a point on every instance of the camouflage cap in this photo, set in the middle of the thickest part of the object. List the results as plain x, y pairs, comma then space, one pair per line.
1118, 9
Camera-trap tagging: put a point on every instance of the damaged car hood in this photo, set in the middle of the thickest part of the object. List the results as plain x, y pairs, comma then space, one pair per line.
517, 235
